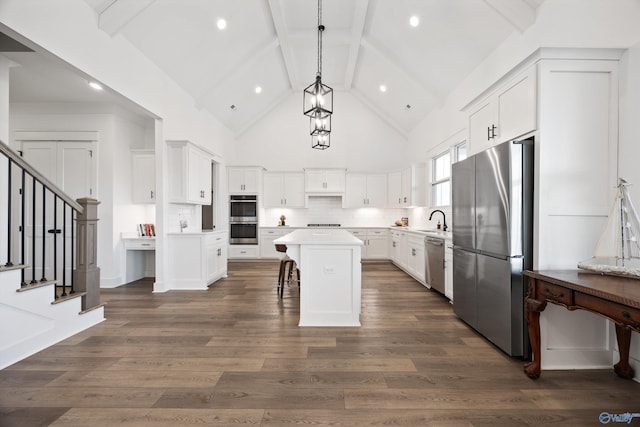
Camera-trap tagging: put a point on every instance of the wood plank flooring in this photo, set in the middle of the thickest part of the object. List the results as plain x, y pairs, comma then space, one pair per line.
234, 355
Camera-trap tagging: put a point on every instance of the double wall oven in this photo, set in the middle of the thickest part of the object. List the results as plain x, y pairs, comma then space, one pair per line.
243, 220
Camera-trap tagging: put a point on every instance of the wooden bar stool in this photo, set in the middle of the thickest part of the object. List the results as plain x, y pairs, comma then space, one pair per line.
285, 276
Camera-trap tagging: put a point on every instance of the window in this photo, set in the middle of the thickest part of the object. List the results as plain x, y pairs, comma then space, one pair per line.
460, 151
441, 180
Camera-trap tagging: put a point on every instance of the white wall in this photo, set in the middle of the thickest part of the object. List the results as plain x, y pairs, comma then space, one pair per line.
360, 140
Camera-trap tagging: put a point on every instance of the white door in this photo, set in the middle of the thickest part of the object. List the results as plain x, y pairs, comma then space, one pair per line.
69, 166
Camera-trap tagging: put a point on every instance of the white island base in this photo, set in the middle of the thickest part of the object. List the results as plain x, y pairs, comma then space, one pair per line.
330, 275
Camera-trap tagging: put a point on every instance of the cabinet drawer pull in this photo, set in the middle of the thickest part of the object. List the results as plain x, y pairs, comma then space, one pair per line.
551, 294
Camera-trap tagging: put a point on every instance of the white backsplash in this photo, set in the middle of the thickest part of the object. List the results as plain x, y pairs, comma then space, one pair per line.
191, 214
329, 210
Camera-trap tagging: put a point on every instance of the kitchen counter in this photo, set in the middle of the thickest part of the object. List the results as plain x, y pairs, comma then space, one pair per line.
330, 275
446, 235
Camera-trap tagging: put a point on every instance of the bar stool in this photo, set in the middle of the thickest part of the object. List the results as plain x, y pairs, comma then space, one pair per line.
285, 276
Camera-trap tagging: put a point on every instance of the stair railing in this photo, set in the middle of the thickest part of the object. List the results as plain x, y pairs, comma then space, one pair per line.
40, 228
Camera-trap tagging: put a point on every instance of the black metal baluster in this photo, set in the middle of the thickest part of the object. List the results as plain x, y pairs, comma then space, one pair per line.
64, 249
55, 240
44, 233
9, 196
73, 245
23, 225
33, 233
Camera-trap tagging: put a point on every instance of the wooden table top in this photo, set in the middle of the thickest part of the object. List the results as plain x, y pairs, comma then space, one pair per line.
623, 290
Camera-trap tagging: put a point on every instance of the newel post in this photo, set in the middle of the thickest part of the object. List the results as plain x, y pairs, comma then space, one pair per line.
87, 271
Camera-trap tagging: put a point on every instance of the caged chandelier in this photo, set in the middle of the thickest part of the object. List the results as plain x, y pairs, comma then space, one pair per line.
318, 100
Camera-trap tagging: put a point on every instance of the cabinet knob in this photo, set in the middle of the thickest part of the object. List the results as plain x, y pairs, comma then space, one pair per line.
151, 194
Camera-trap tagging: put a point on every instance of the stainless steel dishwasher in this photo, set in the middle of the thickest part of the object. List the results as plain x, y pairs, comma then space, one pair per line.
434, 263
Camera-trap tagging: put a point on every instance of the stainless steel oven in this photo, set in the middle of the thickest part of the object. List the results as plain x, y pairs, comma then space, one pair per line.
243, 220
243, 208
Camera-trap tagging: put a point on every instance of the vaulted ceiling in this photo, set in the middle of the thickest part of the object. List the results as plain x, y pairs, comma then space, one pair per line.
273, 44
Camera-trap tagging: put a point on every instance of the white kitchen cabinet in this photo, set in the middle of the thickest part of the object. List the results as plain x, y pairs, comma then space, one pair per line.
448, 270
195, 260
244, 180
399, 252
267, 247
283, 189
189, 173
407, 187
324, 180
366, 190
415, 257
244, 251
143, 165
375, 242
216, 249
504, 114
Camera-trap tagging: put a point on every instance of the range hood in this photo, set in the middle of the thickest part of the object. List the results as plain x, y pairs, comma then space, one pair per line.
335, 200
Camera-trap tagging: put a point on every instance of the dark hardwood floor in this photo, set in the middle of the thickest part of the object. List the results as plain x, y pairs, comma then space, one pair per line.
234, 355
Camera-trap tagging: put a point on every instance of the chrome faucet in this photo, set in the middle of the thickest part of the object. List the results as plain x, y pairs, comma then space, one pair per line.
444, 219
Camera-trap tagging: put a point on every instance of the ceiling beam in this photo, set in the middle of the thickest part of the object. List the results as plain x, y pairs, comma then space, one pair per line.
120, 13
357, 29
520, 14
248, 61
393, 61
285, 44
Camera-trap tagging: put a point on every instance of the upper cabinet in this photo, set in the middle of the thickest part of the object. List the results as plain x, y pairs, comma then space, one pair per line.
283, 189
189, 173
366, 190
324, 180
407, 187
507, 112
244, 180
143, 164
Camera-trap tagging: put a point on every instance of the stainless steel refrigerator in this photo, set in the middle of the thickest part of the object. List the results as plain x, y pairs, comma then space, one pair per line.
492, 206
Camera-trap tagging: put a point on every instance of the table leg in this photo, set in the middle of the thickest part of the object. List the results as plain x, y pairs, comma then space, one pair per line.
532, 309
622, 368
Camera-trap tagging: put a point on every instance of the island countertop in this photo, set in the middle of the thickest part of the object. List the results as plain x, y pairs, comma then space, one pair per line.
324, 236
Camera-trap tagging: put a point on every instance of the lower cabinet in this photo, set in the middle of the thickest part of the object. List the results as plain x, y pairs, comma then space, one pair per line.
376, 242
267, 247
244, 251
196, 259
216, 247
448, 270
415, 257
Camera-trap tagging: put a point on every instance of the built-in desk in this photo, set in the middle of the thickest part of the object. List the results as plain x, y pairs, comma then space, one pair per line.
616, 298
138, 261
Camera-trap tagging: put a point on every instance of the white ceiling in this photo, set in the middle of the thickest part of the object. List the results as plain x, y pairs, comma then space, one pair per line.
272, 43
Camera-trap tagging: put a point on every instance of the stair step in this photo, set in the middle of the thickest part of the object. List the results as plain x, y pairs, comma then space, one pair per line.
12, 267
95, 307
30, 286
68, 297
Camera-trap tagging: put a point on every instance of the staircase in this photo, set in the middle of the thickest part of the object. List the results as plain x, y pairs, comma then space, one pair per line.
32, 320
51, 236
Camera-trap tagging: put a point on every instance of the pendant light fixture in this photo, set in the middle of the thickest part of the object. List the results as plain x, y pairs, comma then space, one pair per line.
318, 100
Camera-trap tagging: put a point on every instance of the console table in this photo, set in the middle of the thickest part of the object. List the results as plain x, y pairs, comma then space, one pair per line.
616, 298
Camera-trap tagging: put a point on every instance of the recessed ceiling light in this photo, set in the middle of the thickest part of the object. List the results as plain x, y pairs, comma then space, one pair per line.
383, 88
258, 89
414, 21
221, 23
95, 85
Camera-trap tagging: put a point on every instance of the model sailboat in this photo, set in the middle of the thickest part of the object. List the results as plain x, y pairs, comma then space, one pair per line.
618, 249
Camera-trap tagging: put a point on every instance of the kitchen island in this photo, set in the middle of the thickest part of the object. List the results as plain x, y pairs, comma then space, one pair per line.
330, 275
